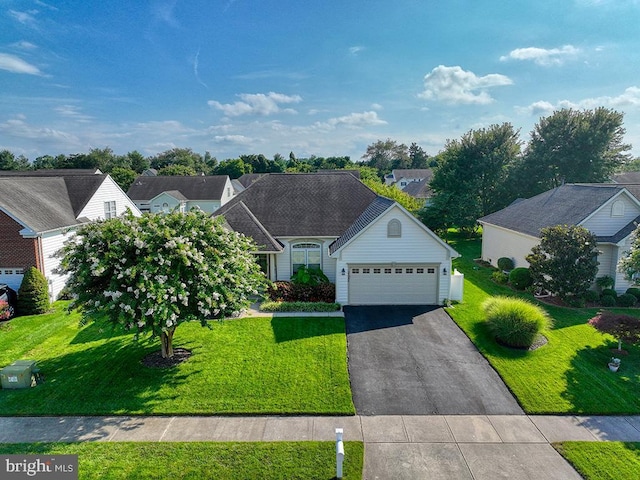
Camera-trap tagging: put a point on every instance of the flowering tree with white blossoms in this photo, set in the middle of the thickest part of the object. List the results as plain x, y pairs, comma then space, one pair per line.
151, 273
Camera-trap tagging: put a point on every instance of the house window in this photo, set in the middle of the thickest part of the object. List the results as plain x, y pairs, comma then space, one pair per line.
387, 270
110, 210
409, 270
165, 207
355, 270
394, 228
617, 209
366, 270
305, 254
398, 270
419, 270
376, 270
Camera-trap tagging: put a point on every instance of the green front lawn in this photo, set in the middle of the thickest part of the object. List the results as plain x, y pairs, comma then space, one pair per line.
243, 366
570, 373
603, 460
202, 460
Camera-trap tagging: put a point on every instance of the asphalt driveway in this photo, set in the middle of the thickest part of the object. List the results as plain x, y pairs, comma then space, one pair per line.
410, 360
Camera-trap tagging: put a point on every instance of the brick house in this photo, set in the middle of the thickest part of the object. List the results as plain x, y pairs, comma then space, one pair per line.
39, 213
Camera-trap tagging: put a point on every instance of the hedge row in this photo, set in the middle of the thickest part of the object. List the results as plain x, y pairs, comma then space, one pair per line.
293, 292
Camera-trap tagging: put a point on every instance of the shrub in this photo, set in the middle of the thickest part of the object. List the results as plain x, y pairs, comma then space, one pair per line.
605, 282
520, 278
592, 296
505, 263
33, 295
299, 307
515, 322
609, 291
608, 301
6, 312
626, 300
634, 291
309, 276
500, 277
293, 292
575, 301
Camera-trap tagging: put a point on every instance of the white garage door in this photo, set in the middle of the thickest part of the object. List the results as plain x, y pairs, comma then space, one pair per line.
393, 285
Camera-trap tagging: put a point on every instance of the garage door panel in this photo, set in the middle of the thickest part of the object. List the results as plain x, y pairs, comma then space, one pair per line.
380, 285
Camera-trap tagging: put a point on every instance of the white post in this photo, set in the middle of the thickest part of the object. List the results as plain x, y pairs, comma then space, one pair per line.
339, 452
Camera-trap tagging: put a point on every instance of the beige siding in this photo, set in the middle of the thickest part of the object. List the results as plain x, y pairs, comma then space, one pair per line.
415, 246
603, 223
283, 260
499, 242
108, 191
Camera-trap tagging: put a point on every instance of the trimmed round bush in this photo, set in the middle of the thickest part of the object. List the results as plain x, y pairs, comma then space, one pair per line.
520, 278
634, 291
610, 291
591, 296
515, 322
505, 263
626, 300
33, 295
608, 301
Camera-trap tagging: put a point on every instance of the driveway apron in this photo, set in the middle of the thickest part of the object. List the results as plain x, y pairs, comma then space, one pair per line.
414, 360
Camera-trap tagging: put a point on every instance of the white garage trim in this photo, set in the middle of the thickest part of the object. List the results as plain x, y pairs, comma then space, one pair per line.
393, 284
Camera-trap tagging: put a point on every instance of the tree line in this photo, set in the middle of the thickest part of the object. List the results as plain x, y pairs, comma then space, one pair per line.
483, 171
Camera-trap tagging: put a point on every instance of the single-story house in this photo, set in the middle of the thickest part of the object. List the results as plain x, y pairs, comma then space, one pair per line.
38, 214
158, 194
609, 211
374, 250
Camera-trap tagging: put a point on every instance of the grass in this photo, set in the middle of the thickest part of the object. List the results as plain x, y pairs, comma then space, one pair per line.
199, 460
567, 375
603, 460
244, 366
270, 306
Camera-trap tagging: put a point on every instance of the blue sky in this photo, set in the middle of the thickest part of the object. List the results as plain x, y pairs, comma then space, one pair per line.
313, 77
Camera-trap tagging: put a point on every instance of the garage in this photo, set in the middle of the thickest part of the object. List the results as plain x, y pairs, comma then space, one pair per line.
375, 284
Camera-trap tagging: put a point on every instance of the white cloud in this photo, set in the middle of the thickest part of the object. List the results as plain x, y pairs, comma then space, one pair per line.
630, 98
21, 129
14, 64
543, 56
257, 104
72, 111
233, 139
26, 18
457, 86
377, 106
24, 45
364, 119
356, 49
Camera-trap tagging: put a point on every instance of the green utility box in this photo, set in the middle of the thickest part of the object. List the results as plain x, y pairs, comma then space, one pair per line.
16, 376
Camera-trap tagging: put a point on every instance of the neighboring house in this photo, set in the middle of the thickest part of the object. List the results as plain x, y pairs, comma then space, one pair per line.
609, 211
37, 215
401, 177
166, 193
53, 172
420, 190
374, 250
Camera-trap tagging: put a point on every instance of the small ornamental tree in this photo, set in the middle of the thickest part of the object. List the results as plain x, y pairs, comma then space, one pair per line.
151, 273
629, 264
624, 328
33, 294
565, 262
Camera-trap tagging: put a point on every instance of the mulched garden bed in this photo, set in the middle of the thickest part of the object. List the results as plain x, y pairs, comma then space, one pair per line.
155, 360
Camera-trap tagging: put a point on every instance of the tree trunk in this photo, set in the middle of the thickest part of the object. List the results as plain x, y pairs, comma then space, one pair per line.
166, 340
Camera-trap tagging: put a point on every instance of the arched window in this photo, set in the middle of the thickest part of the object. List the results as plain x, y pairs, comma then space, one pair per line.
165, 207
617, 209
305, 254
394, 228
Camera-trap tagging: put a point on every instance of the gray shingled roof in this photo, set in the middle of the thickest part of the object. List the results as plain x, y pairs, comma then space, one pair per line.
248, 178
626, 177
419, 189
53, 172
568, 204
193, 188
81, 188
427, 173
40, 203
175, 194
373, 211
240, 219
313, 204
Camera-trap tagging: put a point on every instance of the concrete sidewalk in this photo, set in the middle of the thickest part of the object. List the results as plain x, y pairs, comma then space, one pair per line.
474, 447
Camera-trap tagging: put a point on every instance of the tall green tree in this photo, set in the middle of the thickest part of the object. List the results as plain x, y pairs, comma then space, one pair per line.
472, 176
124, 177
386, 155
177, 170
572, 146
8, 161
149, 274
419, 158
180, 156
234, 167
565, 261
